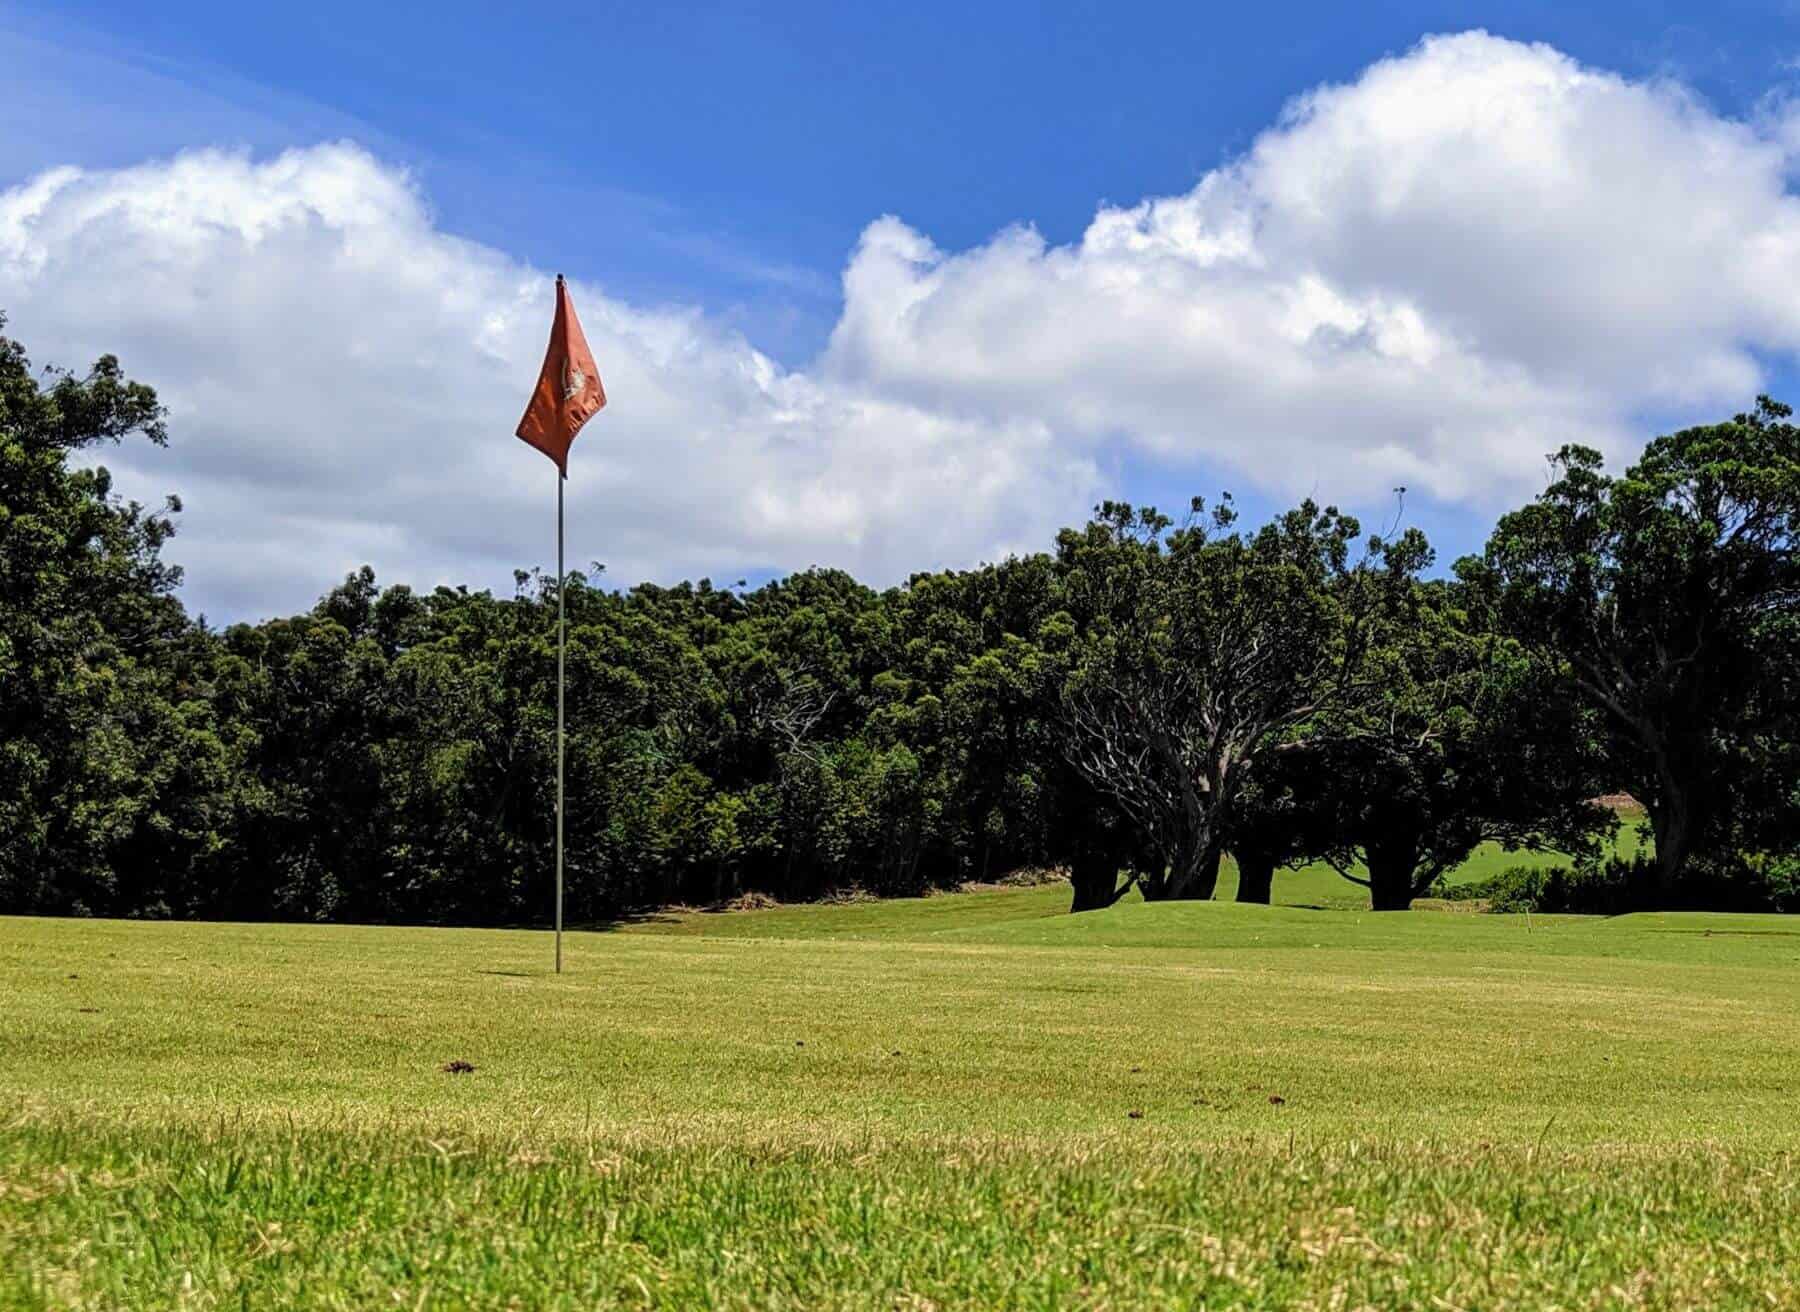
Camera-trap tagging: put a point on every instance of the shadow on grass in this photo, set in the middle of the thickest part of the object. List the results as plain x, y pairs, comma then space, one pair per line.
626, 919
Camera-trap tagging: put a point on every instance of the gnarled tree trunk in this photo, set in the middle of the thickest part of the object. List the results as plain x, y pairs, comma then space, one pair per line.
1256, 875
1094, 880
1192, 877
1393, 869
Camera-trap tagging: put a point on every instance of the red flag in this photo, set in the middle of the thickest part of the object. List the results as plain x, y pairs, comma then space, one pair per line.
568, 391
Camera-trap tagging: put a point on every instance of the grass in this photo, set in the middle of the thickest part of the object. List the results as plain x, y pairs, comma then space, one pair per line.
273, 1220
964, 1101
1317, 886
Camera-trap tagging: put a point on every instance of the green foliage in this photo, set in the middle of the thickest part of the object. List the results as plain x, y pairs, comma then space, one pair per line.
1667, 596
1198, 649
1618, 886
1456, 735
116, 773
1131, 707
1611, 888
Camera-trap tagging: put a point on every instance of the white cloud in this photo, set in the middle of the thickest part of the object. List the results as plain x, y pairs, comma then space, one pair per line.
1431, 275
343, 381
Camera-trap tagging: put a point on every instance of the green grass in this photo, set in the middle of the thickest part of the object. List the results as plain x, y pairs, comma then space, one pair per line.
1317, 886
225, 1219
964, 1101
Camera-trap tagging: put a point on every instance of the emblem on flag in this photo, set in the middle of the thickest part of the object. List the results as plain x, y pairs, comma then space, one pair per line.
568, 391
573, 381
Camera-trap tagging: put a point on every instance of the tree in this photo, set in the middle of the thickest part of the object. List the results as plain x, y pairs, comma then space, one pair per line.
1283, 815
111, 763
1449, 735
1669, 596
1200, 646
1129, 707
1474, 748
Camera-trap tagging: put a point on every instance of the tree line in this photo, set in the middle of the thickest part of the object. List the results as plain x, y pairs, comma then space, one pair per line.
1130, 706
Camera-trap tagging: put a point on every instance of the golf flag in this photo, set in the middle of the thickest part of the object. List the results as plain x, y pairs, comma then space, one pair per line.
568, 391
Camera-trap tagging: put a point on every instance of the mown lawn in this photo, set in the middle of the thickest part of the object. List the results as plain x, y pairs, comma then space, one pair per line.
1317, 886
963, 1101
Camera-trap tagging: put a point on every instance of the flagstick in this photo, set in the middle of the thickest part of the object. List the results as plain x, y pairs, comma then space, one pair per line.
561, 644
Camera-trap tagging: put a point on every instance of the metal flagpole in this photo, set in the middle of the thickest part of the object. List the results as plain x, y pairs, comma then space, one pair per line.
561, 643
567, 395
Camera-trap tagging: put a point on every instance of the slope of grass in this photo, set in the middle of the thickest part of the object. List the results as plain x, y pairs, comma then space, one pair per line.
964, 1101
1313, 886
1317, 885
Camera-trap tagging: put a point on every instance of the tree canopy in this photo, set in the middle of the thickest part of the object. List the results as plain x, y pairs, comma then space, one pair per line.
1669, 596
1127, 706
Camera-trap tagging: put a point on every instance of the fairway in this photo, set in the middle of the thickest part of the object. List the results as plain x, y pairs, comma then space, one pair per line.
966, 1100
583, 594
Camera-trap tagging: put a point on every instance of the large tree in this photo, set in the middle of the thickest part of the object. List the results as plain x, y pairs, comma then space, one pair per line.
1198, 648
1669, 595
1283, 815
1467, 741
111, 769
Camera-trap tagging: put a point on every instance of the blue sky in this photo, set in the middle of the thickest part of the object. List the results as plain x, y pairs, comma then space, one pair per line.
732, 153
726, 161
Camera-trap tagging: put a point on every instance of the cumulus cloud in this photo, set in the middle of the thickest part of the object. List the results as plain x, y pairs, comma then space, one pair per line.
343, 380
1430, 275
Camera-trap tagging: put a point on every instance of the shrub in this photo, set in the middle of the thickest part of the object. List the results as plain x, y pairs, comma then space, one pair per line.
1607, 889
1617, 886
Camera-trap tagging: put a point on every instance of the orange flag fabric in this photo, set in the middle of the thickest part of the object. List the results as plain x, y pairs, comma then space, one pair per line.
568, 391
